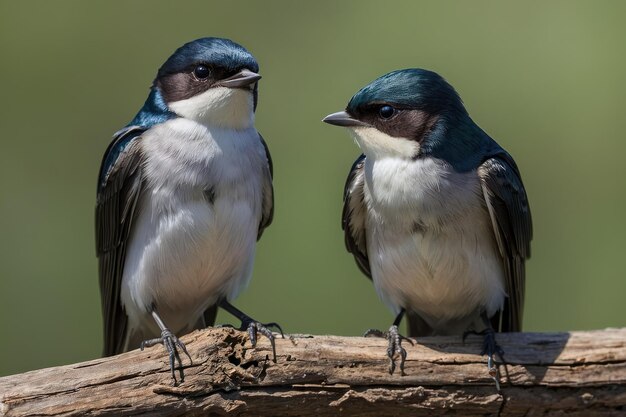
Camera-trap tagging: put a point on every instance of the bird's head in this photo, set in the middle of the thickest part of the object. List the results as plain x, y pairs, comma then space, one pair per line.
212, 81
400, 113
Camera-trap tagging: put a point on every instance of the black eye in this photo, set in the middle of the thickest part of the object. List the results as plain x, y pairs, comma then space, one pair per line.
201, 72
386, 112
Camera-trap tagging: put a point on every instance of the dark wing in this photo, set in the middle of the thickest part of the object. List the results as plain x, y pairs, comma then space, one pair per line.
268, 194
354, 215
119, 185
512, 224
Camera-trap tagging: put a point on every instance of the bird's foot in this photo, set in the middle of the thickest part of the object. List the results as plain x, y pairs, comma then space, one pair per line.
490, 348
254, 328
394, 349
171, 342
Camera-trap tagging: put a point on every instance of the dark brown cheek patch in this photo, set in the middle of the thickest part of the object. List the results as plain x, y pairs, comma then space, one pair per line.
410, 124
181, 86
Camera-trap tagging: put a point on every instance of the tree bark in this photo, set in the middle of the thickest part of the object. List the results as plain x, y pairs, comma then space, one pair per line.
578, 373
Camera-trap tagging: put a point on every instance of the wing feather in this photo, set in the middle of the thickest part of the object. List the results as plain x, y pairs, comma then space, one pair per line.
119, 187
268, 193
354, 215
512, 224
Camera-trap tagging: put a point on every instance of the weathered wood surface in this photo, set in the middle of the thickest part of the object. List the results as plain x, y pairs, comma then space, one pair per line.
578, 373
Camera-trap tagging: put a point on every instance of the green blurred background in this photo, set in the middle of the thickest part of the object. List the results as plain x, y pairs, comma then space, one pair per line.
546, 79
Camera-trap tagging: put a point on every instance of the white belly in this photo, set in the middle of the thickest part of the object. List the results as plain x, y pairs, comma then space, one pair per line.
443, 276
430, 243
182, 262
193, 240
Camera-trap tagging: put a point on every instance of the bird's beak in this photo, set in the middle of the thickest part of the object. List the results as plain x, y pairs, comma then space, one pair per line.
341, 118
242, 79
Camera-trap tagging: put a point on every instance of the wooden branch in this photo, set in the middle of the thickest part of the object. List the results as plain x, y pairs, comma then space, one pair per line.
578, 373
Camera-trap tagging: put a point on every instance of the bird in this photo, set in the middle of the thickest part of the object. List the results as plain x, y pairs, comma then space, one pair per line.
435, 213
184, 193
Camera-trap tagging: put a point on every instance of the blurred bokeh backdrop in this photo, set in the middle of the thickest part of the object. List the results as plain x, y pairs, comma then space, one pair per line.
546, 79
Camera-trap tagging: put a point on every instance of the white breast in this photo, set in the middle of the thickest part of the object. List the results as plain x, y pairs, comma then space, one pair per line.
429, 239
186, 251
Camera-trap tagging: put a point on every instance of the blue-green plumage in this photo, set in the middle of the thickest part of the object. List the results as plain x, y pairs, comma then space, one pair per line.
413, 88
227, 53
154, 111
461, 143
454, 138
